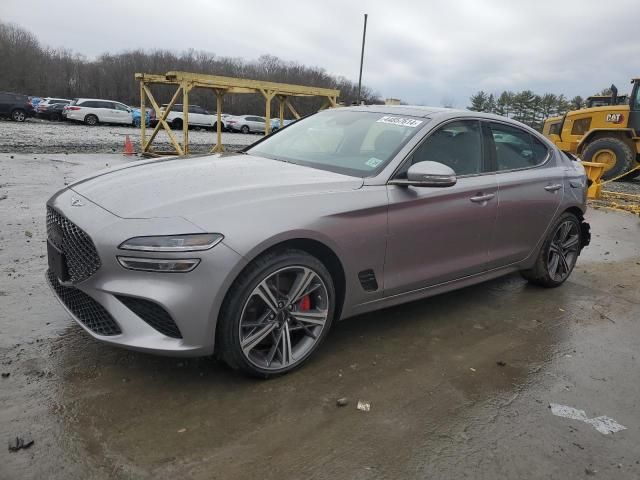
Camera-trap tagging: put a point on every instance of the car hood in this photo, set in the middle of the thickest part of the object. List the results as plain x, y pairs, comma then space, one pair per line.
187, 187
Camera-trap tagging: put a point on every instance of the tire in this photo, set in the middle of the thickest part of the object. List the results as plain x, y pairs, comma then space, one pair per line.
176, 124
549, 273
18, 115
274, 129
635, 173
616, 154
245, 129
91, 120
137, 123
251, 337
55, 117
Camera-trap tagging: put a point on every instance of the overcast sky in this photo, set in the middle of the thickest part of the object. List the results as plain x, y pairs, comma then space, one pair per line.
420, 51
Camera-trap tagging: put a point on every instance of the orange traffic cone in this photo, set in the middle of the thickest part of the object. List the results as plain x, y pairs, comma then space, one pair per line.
128, 146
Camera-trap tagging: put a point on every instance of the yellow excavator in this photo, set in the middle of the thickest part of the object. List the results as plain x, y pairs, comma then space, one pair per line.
608, 134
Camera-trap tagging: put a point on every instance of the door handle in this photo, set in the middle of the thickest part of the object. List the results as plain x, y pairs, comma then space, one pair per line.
482, 198
553, 188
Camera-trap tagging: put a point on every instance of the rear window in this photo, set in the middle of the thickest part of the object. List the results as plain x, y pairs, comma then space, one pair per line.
516, 148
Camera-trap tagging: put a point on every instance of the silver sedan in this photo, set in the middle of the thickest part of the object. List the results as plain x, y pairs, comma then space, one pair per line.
254, 255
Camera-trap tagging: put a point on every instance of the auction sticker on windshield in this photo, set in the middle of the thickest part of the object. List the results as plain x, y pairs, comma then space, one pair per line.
400, 121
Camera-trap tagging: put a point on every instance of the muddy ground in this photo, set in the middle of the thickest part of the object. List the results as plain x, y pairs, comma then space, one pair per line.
459, 385
42, 136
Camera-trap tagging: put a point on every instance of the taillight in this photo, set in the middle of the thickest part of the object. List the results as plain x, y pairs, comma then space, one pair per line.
72, 108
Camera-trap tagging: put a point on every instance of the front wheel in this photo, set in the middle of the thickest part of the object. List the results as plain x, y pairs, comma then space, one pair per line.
276, 314
558, 254
245, 129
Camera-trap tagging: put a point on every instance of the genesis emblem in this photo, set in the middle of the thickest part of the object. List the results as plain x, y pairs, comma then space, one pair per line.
76, 202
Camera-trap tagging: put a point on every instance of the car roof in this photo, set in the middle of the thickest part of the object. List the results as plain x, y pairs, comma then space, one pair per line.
97, 99
411, 110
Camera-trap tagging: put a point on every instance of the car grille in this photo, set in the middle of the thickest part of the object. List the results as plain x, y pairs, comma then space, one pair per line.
84, 308
78, 248
153, 314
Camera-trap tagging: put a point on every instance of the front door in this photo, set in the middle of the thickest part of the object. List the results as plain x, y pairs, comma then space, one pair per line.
441, 234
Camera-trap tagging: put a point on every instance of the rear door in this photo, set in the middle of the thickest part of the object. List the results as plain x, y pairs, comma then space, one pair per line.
530, 189
442, 234
257, 124
105, 111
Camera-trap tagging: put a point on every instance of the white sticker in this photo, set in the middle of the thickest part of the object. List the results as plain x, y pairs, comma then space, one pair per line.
373, 162
400, 121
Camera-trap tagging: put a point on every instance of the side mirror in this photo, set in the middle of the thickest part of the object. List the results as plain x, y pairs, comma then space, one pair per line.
428, 174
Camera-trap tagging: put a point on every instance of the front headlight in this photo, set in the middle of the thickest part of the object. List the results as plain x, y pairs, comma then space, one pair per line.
173, 243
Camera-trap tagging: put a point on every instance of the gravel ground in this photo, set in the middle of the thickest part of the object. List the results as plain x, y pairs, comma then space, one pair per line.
459, 385
41, 136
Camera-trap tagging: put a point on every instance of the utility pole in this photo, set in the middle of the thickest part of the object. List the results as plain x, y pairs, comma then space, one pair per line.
364, 35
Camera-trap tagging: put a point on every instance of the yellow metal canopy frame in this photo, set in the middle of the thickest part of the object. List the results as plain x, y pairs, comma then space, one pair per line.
220, 86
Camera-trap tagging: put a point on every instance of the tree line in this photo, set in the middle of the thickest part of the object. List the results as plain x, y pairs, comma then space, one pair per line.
34, 69
526, 106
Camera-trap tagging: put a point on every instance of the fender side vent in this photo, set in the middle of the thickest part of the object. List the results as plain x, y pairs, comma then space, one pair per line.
368, 280
153, 314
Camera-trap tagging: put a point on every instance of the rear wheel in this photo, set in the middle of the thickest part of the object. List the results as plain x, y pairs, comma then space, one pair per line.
276, 314
18, 115
245, 129
55, 117
558, 254
91, 120
176, 124
616, 155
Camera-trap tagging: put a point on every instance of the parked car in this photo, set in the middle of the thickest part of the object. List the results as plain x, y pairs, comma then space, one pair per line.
93, 111
275, 124
255, 254
247, 124
47, 101
198, 117
52, 112
135, 112
15, 106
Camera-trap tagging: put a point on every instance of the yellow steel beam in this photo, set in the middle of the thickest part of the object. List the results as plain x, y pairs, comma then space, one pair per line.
281, 99
290, 107
218, 81
219, 147
162, 121
268, 95
143, 117
185, 117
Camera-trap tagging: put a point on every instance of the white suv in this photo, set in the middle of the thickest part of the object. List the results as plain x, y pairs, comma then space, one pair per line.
93, 111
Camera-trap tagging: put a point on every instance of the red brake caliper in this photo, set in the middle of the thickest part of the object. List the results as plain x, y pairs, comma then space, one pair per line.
305, 303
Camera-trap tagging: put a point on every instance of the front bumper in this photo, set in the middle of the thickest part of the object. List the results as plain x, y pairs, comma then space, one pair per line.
191, 300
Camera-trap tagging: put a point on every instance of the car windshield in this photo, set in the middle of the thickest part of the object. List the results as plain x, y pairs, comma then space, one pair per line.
344, 141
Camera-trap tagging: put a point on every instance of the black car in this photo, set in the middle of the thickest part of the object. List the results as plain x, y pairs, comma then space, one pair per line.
52, 112
15, 106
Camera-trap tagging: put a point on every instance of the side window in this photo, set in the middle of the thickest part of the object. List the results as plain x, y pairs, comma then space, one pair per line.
516, 148
457, 145
121, 107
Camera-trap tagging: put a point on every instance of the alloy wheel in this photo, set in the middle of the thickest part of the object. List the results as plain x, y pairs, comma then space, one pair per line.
563, 250
283, 318
19, 116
